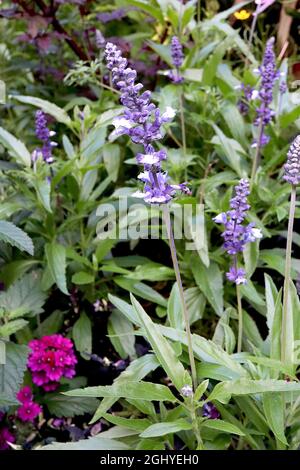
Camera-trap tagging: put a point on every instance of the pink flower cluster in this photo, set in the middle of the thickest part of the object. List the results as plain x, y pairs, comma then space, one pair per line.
29, 409
52, 358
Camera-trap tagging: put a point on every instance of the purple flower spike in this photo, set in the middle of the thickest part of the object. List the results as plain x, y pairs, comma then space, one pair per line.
292, 166
176, 52
44, 135
269, 74
237, 235
177, 59
142, 121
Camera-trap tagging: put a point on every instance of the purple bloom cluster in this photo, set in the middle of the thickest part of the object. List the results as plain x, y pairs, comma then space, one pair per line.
237, 235
248, 94
6, 437
52, 358
177, 59
142, 121
44, 135
269, 74
114, 15
292, 166
29, 409
210, 411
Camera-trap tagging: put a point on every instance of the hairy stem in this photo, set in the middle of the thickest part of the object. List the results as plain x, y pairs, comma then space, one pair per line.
287, 278
167, 220
183, 134
253, 25
257, 150
240, 315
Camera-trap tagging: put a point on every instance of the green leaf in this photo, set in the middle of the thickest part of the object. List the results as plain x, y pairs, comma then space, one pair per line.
223, 391
222, 426
275, 334
15, 147
141, 290
59, 114
133, 390
163, 351
92, 443
175, 316
125, 308
56, 259
271, 294
121, 334
43, 190
12, 372
163, 51
137, 370
60, 405
13, 235
135, 424
25, 296
229, 150
148, 8
210, 68
12, 327
52, 324
251, 254
82, 277
274, 409
210, 282
82, 334
162, 429
112, 160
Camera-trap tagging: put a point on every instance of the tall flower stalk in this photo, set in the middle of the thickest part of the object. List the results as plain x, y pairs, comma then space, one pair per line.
264, 114
142, 121
261, 5
236, 235
292, 176
177, 60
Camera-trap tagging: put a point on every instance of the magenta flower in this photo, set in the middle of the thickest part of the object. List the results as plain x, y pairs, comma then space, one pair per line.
25, 394
52, 358
5, 438
29, 411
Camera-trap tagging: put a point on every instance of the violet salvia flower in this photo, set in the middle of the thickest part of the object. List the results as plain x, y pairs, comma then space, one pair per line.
52, 358
269, 74
210, 411
187, 391
292, 166
44, 135
99, 39
248, 94
236, 234
177, 60
142, 121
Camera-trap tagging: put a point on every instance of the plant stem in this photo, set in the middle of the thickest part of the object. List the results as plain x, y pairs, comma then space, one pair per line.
199, 11
240, 314
253, 25
287, 276
257, 151
167, 220
183, 136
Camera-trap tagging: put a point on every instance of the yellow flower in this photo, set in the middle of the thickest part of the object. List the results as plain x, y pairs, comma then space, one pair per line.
242, 15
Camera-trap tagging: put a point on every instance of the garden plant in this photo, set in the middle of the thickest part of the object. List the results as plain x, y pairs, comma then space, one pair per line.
149, 225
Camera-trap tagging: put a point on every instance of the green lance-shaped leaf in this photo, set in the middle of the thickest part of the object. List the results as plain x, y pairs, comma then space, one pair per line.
56, 259
58, 113
15, 147
164, 352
